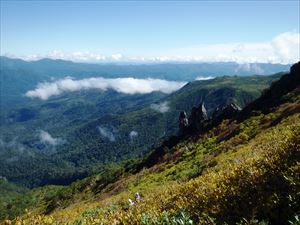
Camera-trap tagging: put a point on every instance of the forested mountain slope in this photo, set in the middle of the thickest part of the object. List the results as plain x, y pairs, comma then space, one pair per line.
73, 135
245, 170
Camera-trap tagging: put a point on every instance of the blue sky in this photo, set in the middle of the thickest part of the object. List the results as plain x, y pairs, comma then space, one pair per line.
128, 30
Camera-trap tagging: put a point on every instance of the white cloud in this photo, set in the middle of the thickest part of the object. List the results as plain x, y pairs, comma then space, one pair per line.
46, 138
106, 133
123, 85
80, 56
287, 47
117, 56
133, 134
204, 78
77, 56
250, 68
161, 107
283, 48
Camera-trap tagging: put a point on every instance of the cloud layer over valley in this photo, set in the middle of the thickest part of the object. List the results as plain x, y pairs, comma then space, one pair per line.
204, 78
127, 85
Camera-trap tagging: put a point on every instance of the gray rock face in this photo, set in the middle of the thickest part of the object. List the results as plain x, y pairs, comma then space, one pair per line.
225, 112
183, 123
198, 116
199, 121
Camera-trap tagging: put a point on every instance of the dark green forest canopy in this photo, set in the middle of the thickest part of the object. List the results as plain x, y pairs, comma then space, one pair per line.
90, 129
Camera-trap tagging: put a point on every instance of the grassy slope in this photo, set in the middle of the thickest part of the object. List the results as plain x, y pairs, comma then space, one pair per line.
237, 170
8, 192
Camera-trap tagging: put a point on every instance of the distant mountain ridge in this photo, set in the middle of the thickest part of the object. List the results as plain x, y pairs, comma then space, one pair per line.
18, 76
182, 71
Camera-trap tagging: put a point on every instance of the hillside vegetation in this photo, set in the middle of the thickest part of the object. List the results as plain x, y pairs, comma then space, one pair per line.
243, 171
75, 120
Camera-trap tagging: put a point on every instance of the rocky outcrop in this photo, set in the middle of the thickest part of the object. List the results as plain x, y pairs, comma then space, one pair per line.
225, 112
199, 122
183, 123
198, 116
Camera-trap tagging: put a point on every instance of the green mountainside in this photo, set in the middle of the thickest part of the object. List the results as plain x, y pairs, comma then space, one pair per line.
244, 170
77, 119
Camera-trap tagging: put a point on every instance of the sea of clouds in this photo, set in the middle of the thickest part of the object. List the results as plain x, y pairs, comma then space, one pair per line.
204, 78
127, 85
